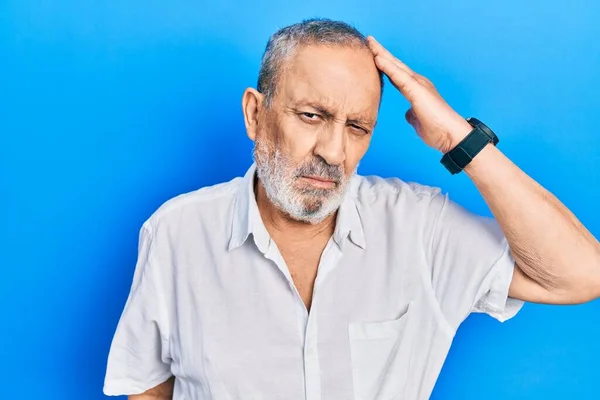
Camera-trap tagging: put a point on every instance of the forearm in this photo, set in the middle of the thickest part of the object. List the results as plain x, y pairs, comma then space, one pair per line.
548, 242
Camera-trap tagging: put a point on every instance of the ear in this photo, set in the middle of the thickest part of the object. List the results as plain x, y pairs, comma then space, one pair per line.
252, 103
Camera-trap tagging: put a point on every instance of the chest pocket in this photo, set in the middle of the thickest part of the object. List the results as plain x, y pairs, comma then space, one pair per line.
380, 356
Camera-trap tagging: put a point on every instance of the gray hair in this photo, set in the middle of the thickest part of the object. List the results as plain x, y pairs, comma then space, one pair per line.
284, 42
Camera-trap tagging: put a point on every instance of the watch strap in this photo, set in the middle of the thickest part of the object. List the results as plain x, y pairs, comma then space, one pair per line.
463, 153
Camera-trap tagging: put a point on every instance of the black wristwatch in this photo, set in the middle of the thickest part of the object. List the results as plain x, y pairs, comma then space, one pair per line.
460, 156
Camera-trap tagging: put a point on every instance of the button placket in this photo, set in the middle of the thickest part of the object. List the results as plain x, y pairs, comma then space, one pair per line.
312, 373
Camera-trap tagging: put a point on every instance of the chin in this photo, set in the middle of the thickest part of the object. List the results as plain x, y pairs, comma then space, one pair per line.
312, 219
315, 214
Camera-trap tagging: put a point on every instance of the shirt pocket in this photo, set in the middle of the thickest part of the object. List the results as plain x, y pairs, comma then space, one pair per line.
380, 353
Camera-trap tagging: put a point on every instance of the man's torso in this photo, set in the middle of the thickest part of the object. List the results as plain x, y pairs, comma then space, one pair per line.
238, 321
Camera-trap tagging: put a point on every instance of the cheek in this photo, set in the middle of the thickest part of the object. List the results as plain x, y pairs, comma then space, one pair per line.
298, 138
355, 151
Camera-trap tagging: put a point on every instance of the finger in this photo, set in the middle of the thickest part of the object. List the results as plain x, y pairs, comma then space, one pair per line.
378, 49
401, 79
424, 81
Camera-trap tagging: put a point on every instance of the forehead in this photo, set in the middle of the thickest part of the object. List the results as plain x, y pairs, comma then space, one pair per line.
344, 79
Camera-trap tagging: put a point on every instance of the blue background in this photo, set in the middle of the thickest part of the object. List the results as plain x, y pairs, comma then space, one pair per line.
107, 109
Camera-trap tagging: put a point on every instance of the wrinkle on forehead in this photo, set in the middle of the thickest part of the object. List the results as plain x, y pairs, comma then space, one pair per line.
345, 81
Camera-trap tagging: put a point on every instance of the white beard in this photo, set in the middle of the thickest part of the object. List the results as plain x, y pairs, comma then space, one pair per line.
277, 173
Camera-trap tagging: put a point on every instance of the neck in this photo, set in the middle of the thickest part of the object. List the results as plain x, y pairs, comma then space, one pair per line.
280, 224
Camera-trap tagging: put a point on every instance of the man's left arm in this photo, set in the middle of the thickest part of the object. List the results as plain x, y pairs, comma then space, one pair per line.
557, 260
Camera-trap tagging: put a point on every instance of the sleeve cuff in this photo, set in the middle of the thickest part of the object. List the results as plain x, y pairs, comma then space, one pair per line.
496, 302
127, 386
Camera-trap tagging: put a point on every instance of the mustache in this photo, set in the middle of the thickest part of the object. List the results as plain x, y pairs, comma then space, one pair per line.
320, 168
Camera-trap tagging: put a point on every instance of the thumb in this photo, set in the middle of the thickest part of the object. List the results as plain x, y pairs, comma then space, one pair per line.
412, 119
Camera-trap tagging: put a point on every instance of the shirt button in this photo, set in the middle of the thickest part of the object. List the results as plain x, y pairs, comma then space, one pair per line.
310, 351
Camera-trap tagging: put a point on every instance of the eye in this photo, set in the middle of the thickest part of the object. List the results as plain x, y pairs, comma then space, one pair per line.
359, 129
310, 117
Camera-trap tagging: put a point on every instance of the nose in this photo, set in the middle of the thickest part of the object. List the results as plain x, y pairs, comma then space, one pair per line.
331, 144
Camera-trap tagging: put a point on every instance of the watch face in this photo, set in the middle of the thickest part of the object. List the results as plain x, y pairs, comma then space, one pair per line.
477, 123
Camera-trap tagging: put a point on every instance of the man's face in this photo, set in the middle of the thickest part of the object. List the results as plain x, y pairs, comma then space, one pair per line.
310, 140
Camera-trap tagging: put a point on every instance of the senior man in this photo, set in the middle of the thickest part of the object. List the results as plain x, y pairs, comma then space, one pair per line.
304, 280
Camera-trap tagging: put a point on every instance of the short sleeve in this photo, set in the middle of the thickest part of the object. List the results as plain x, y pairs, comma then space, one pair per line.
138, 359
471, 263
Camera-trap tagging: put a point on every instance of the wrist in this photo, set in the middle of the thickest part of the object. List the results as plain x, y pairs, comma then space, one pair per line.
456, 135
482, 157
463, 146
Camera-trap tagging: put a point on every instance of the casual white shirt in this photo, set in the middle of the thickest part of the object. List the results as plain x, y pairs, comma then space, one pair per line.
213, 302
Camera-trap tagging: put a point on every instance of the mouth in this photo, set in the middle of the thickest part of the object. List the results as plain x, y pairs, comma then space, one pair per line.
318, 181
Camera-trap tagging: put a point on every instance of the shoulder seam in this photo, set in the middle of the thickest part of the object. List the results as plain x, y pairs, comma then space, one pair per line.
193, 197
402, 186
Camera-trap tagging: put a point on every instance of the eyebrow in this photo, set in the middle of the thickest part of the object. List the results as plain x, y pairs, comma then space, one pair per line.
329, 114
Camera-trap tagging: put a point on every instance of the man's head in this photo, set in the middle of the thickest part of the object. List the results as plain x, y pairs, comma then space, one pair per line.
312, 115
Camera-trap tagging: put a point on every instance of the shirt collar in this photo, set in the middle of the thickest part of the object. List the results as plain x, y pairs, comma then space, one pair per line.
246, 217
247, 220
349, 222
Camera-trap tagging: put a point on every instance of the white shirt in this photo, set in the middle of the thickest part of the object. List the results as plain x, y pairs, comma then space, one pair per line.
213, 303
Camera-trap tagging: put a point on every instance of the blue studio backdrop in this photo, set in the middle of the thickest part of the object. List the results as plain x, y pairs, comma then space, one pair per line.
108, 109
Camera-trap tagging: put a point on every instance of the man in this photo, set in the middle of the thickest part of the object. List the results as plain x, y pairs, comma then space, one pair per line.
303, 280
